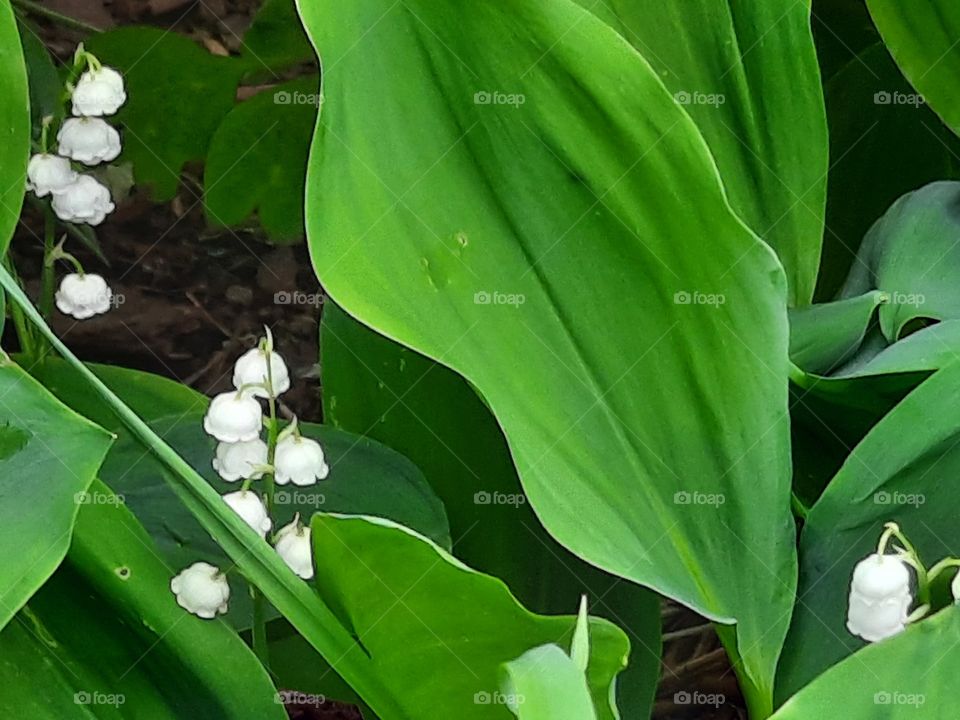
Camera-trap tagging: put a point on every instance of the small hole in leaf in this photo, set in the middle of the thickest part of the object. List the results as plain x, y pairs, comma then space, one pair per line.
123, 572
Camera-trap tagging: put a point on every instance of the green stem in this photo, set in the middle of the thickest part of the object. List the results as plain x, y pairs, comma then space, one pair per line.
261, 648
799, 509
25, 334
65, 20
49, 275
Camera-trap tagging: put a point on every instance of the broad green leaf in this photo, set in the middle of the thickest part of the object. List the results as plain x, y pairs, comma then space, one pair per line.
922, 37
14, 125
883, 144
544, 683
258, 159
727, 63
437, 631
106, 626
912, 254
177, 96
49, 455
46, 86
907, 677
387, 392
823, 336
276, 38
574, 257
903, 471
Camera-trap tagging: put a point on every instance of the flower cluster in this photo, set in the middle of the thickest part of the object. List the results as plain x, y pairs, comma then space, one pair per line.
236, 420
87, 139
882, 591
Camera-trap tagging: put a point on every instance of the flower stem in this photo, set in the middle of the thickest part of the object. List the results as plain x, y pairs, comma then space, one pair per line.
49, 275
28, 343
261, 647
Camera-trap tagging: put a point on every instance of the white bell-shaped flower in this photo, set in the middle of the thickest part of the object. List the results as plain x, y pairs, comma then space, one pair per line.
248, 505
202, 590
239, 460
880, 597
234, 417
251, 369
293, 546
955, 587
88, 140
299, 460
85, 200
98, 92
83, 296
49, 174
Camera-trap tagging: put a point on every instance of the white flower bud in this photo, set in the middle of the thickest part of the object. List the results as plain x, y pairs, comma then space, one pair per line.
236, 461
233, 417
88, 140
202, 590
880, 597
251, 368
83, 296
49, 174
84, 200
293, 546
299, 460
248, 505
99, 92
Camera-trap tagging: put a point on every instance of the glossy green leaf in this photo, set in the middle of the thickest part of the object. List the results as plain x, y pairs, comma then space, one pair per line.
728, 62
177, 96
49, 455
823, 336
544, 683
417, 609
14, 125
45, 84
903, 471
390, 393
258, 160
907, 677
276, 38
922, 37
106, 627
496, 236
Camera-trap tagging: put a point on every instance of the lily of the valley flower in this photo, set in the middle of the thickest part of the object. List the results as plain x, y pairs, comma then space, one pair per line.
248, 505
98, 92
49, 174
241, 460
83, 296
880, 597
88, 140
293, 546
251, 370
299, 460
234, 417
202, 590
84, 200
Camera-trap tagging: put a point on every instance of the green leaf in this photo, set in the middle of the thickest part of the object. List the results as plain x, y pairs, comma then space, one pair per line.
498, 237
544, 683
392, 394
107, 625
903, 471
46, 86
416, 609
48, 457
258, 160
177, 96
276, 38
910, 676
727, 63
14, 125
823, 336
922, 37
